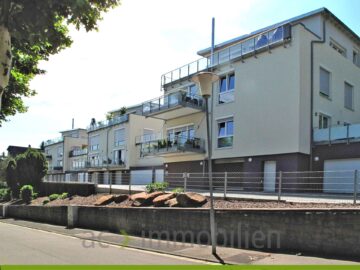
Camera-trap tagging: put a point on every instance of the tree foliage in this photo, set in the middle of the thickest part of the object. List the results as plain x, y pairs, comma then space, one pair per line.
38, 29
26, 169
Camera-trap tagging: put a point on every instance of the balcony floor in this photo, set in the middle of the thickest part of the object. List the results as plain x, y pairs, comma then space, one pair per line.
173, 112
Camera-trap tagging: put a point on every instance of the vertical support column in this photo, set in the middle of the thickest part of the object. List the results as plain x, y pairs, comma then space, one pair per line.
129, 175
4, 210
280, 185
225, 184
355, 185
72, 216
185, 176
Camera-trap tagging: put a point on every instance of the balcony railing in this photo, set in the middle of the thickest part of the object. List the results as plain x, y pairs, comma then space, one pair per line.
108, 123
173, 145
78, 152
53, 141
172, 100
104, 162
335, 134
57, 168
243, 49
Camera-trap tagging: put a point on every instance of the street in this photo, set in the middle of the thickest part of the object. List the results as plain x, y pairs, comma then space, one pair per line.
20, 245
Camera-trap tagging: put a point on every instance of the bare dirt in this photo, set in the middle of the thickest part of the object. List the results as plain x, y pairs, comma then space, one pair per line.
218, 203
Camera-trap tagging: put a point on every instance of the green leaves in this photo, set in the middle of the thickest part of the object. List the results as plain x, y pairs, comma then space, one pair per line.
38, 29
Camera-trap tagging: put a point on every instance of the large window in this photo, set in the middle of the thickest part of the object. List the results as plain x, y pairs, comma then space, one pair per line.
226, 88
356, 58
348, 96
119, 137
325, 77
324, 121
192, 91
94, 143
225, 133
60, 151
181, 134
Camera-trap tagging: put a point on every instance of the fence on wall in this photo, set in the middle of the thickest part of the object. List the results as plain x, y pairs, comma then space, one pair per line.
279, 185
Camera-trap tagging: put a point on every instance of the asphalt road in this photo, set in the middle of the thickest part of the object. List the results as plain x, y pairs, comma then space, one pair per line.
20, 245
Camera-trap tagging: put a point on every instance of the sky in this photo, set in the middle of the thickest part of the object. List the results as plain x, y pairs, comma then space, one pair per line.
122, 63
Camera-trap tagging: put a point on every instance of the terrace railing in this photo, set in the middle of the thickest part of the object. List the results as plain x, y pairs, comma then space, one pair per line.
110, 122
333, 134
243, 49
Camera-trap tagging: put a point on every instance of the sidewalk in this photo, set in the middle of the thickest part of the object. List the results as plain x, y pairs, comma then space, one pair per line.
198, 252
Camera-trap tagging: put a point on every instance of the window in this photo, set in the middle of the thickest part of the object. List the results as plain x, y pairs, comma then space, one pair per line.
324, 121
119, 137
60, 151
349, 96
95, 160
337, 47
226, 88
94, 143
181, 134
225, 133
192, 91
356, 58
325, 82
119, 157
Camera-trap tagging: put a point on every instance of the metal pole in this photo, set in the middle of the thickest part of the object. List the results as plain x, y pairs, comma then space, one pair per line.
212, 41
280, 185
212, 211
129, 184
355, 185
185, 181
225, 184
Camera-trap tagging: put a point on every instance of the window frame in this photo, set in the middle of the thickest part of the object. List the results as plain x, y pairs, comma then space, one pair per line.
337, 47
94, 147
321, 116
352, 96
227, 90
323, 94
226, 121
119, 143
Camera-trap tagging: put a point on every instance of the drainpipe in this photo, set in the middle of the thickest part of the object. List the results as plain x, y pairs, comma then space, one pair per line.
313, 42
107, 158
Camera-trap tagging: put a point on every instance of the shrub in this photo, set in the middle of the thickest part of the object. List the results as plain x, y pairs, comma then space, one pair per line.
64, 196
26, 193
157, 186
5, 194
46, 201
178, 190
54, 197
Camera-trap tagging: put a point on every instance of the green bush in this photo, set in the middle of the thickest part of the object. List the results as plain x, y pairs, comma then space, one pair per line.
178, 190
5, 194
26, 193
64, 196
46, 201
157, 186
54, 197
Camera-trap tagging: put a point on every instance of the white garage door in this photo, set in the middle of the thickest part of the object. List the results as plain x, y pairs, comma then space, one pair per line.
339, 175
159, 175
141, 177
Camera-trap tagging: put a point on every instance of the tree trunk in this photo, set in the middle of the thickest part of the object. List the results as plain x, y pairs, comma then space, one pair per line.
5, 59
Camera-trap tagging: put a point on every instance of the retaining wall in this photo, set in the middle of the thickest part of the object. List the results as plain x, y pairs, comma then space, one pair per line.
310, 231
81, 189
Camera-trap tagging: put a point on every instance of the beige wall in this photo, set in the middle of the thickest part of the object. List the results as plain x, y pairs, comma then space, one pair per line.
342, 69
52, 150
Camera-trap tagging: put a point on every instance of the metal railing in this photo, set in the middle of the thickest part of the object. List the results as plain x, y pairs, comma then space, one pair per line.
172, 100
171, 145
104, 162
110, 122
148, 138
53, 141
239, 50
78, 152
300, 187
340, 133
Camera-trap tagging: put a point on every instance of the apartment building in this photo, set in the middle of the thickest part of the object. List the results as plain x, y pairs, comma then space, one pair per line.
63, 153
287, 94
112, 152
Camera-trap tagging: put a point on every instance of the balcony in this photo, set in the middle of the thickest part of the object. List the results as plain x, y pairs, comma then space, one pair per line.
105, 163
108, 123
246, 48
53, 141
337, 134
57, 168
167, 147
173, 105
78, 152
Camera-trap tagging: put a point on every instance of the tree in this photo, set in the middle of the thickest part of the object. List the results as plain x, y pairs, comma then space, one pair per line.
26, 169
31, 31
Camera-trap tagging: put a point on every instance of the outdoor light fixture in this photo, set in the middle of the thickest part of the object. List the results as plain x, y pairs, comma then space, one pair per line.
204, 80
316, 158
249, 159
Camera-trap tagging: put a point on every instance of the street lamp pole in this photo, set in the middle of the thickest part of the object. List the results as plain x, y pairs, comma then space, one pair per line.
204, 81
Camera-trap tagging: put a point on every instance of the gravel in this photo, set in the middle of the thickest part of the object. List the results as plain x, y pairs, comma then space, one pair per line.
218, 203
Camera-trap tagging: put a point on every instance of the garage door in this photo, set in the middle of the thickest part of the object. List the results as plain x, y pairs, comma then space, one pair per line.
141, 177
339, 175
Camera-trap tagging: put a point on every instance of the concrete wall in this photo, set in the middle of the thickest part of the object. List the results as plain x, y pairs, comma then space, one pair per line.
310, 231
